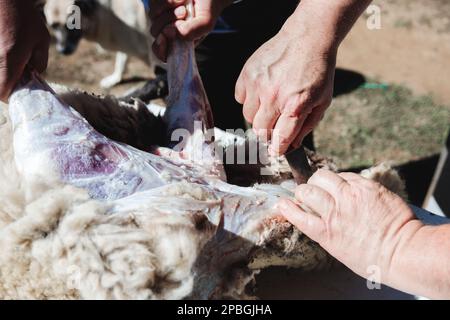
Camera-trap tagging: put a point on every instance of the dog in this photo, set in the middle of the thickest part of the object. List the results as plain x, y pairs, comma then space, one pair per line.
121, 26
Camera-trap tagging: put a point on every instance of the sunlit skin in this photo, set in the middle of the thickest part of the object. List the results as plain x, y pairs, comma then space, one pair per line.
363, 224
24, 41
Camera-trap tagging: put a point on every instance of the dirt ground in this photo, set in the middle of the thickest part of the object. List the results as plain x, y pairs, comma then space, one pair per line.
412, 48
407, 116
89, 65
400, 110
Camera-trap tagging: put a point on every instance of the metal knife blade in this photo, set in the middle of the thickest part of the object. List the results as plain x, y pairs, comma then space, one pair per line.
298, 162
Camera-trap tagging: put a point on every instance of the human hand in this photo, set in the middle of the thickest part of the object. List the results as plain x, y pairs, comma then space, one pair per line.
287, 85
169, 21
356, 220
24, 41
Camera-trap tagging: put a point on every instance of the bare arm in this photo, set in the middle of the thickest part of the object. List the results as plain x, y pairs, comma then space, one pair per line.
421, 262
332, 19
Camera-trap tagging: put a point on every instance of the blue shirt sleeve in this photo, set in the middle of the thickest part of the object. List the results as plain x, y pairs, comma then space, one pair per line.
146, 4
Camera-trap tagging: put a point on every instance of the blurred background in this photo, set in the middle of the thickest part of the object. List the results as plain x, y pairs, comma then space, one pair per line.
392, 90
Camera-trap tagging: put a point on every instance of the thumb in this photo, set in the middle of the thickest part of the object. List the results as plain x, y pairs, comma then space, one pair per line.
195, 28
307, 223
309, 125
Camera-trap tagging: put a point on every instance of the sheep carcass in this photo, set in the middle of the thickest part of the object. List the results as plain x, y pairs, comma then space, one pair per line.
167, 215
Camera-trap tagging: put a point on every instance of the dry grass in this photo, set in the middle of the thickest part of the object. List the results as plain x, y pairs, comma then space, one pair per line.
373, 125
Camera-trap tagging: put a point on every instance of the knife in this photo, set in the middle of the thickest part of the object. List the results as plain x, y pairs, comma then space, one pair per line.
298, 162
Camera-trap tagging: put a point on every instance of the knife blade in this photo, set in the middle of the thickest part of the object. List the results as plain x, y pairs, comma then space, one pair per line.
298, 162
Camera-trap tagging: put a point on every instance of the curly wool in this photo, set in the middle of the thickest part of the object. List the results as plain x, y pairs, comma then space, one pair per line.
57, 243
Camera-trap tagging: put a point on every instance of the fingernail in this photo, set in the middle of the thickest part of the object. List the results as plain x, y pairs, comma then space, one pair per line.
178, 24
180, 12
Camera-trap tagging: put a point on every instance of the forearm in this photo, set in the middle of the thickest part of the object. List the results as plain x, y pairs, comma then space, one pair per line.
420, 263
329, 21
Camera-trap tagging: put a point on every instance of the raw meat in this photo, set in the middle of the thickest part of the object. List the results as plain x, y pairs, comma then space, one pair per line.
235, 227
163, 224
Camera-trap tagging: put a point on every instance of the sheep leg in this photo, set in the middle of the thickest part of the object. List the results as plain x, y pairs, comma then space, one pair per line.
53, 140
189, 118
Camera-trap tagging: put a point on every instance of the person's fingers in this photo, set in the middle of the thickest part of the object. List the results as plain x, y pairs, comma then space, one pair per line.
39, 58
6, 85
30, 48
264, 121
167, 18
288, 125
8, 80
239, 93
308, 126
4, 90
329, 181
159, 47
350, 176
316, 199
158, 7
297, 141
309, 224
251, 105
284, 133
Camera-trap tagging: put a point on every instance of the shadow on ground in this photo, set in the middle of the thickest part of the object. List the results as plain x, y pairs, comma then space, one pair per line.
347, 81
418, 175
338, 283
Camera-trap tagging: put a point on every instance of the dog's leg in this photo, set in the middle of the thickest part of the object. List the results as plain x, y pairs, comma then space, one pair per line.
116, 77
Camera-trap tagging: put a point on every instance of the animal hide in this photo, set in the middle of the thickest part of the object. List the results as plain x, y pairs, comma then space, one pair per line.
85, 216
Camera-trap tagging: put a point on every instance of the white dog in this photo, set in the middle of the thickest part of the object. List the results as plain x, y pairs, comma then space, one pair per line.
116, 25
